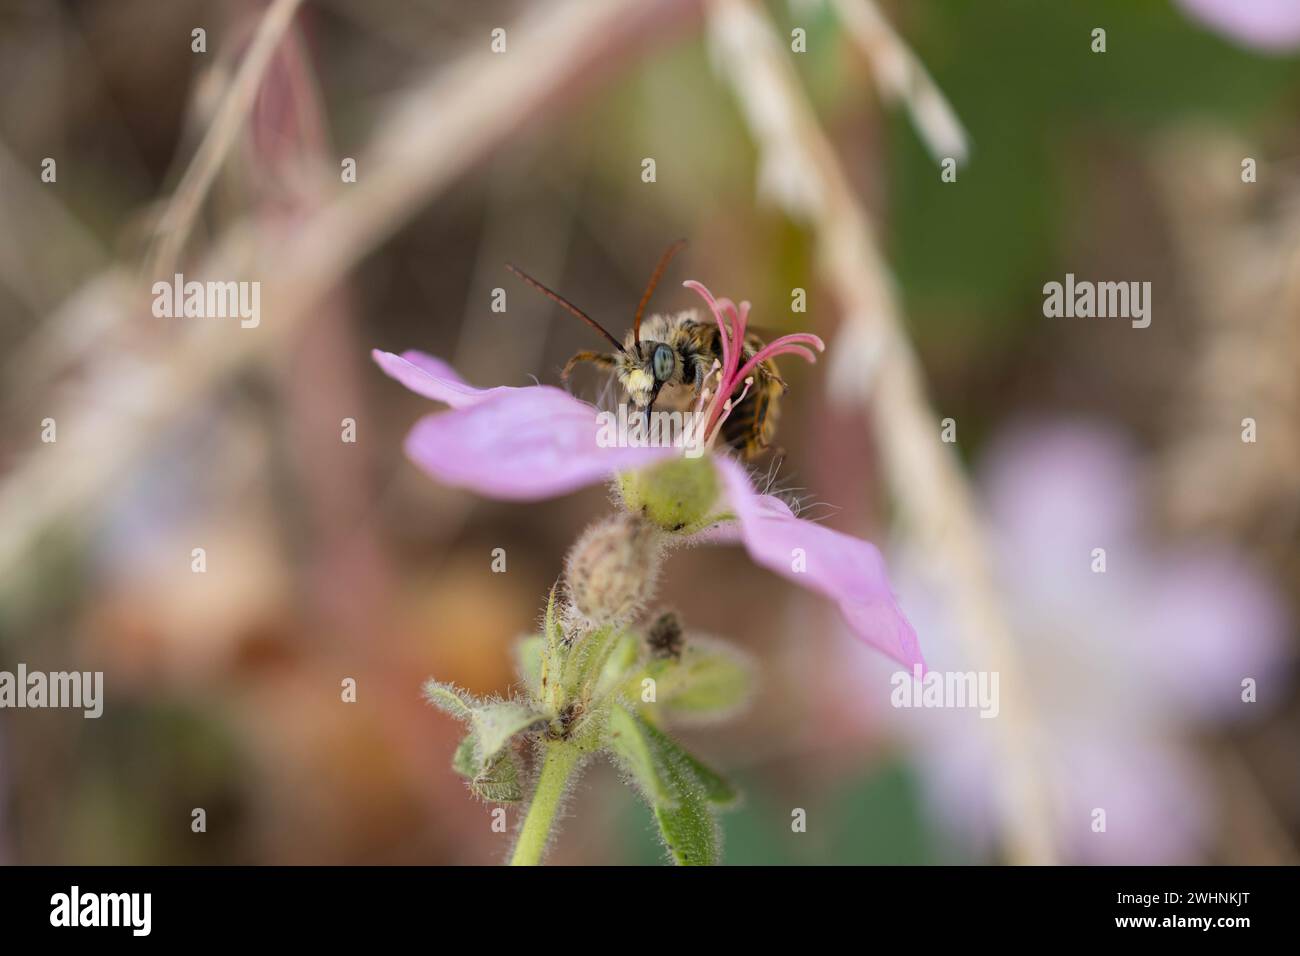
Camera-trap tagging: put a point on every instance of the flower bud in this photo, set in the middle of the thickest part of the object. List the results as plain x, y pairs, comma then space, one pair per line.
612, 570
674, 495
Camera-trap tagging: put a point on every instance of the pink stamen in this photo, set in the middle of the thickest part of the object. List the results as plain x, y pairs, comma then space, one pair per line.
707, 296
732, 320
705, 391
739, 319
727, 407
785, 345
802, 338
705, 394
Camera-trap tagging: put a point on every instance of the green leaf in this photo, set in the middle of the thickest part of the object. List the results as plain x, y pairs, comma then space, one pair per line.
637, 753
499, 780
711, 680
528, 663
690, 833
679, 788
496, 780
716, 789
497, 721
465, 760
448, 699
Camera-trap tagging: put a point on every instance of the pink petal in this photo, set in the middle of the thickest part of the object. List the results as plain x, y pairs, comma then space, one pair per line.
434, 378
845, 569
1264, 24
521, 444
725, 532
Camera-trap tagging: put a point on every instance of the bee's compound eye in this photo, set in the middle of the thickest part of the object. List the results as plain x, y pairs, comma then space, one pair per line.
663, 362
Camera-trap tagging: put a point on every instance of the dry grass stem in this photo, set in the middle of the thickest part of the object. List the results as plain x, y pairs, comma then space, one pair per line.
875, 366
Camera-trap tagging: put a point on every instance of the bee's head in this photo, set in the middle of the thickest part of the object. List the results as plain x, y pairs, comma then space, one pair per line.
645, 369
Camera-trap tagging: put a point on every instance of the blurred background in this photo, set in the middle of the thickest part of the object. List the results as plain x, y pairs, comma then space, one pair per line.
328, 560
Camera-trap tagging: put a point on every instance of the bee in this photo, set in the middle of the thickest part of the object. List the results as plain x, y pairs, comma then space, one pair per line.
666, 362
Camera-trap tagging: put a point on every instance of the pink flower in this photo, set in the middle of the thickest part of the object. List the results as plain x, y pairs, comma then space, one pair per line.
519, 444
537, 442
1263, 24
1124, 665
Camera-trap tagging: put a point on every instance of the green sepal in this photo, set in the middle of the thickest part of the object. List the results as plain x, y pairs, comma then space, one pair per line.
677, 494
552, 630
554, 652
623, 656
586, 661
679, 788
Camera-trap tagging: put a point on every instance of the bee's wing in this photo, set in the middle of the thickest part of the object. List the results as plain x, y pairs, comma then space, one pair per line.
608, 395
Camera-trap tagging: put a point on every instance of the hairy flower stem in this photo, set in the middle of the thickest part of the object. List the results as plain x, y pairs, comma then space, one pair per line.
559, 761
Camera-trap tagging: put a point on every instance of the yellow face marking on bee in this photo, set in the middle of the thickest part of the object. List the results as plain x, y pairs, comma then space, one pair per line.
639, 380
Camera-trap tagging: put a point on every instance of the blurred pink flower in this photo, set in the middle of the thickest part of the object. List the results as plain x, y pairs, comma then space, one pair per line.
1122, 664
537, 442
1272, 25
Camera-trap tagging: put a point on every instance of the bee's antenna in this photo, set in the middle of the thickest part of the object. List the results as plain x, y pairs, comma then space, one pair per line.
561, 300
666, 258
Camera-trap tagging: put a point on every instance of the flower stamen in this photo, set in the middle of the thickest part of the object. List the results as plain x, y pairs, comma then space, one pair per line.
727, 407
732, 321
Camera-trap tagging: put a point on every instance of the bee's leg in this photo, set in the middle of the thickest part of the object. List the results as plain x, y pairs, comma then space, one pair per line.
764, 422
599, 359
